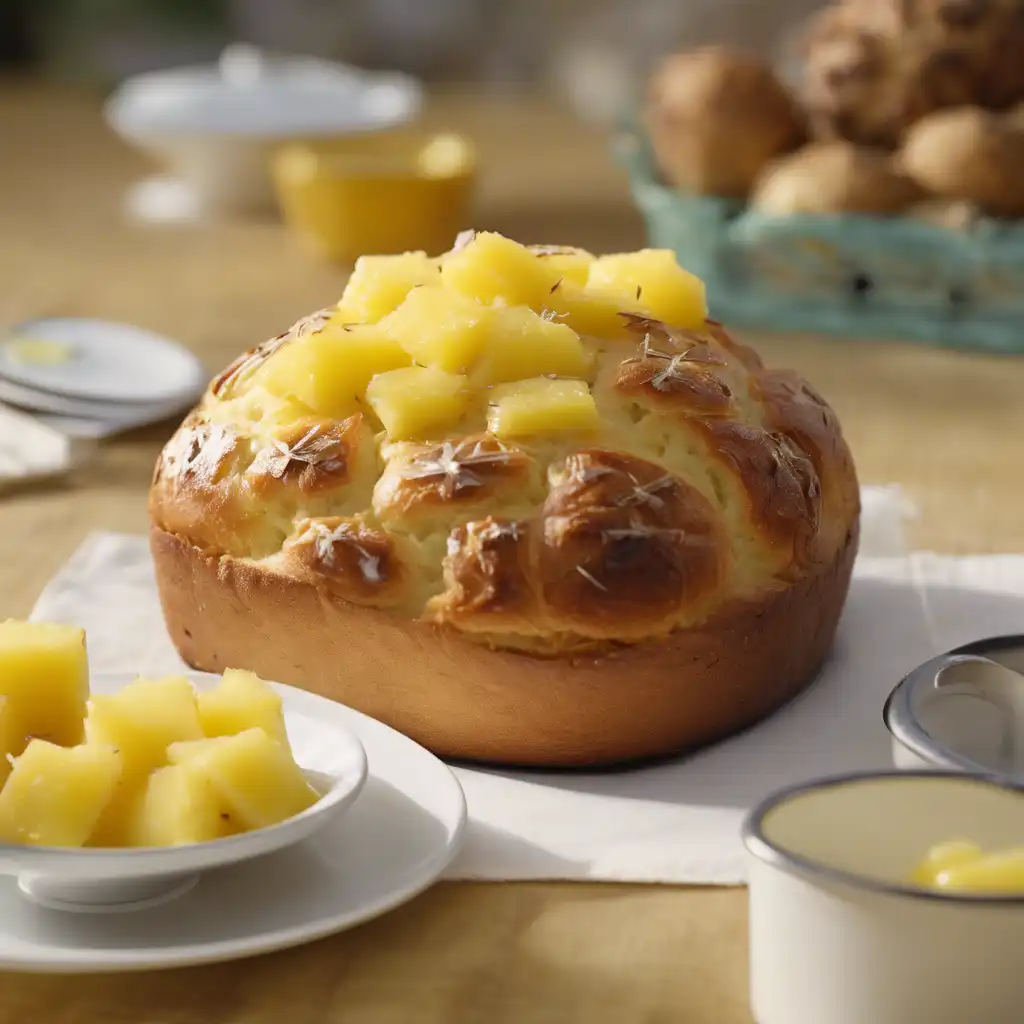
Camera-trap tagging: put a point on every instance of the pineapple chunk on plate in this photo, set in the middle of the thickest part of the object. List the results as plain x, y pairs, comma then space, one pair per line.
542, 406
240, 701
44, 680
416, 401
179, 806
379, 284
253, 776
142, 720
54, 795
12, 737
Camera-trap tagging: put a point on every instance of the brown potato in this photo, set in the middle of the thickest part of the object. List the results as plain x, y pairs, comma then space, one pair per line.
970, 154
1015, 116
874, 67
716, 117
834, 177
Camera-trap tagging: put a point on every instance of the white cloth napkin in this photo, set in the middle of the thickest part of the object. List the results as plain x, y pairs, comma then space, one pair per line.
674, 822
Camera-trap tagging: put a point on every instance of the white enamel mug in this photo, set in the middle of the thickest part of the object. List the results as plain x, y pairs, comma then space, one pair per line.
838, 935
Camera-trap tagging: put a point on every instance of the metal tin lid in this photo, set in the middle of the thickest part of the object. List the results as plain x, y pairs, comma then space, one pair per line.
964, 710
249, 93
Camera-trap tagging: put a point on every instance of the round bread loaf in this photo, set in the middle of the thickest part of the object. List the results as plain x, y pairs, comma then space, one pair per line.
525, 505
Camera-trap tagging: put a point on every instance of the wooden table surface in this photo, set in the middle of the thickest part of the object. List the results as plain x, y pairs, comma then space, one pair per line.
949, 427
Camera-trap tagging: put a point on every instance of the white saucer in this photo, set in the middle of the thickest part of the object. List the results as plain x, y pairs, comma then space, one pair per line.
396, 839
110, 417
109, 362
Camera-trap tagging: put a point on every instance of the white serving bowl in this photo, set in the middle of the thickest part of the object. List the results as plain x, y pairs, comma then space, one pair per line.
215, 127
109, 880
837, 933
962, 711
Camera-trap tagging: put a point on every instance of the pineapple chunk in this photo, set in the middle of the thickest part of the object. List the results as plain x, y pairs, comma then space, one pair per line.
439, 328
542, 406
12, 736
179, 806
240, 701
142, 720
652, 281
494, 269
55, 795
568, 263
379, 284
254, 777
328, 372
588, 313
44, 676
416, 400
523, 344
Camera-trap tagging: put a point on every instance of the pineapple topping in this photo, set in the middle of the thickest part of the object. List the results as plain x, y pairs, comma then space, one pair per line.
428, 347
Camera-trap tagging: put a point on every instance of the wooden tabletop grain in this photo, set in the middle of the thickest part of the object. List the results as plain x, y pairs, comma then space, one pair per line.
949, 427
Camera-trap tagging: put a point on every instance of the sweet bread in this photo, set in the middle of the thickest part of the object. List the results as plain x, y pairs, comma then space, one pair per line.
526, 505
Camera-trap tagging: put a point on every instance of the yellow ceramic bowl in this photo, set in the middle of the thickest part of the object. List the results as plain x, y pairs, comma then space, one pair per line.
381, 193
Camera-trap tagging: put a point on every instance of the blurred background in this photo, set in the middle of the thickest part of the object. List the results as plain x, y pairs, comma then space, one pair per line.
592, 52
851, 167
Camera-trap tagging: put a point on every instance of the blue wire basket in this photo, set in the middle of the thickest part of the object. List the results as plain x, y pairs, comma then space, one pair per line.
892, 278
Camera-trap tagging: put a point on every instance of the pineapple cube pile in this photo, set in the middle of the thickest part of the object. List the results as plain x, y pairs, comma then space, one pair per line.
155, 764
419, 343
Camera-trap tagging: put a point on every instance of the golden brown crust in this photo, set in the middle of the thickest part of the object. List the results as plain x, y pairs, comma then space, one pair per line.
471, 472
620, 549
350, 559
464, 699
743, 354
627, 549
779, 487
489, 579
195, 490
309, 455
794, 409
678, 370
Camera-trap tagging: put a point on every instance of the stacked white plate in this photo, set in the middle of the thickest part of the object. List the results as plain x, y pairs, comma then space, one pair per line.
65, 382
92, 378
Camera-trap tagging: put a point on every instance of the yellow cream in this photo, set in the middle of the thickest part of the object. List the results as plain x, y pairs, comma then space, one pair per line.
30, 351
962, 866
